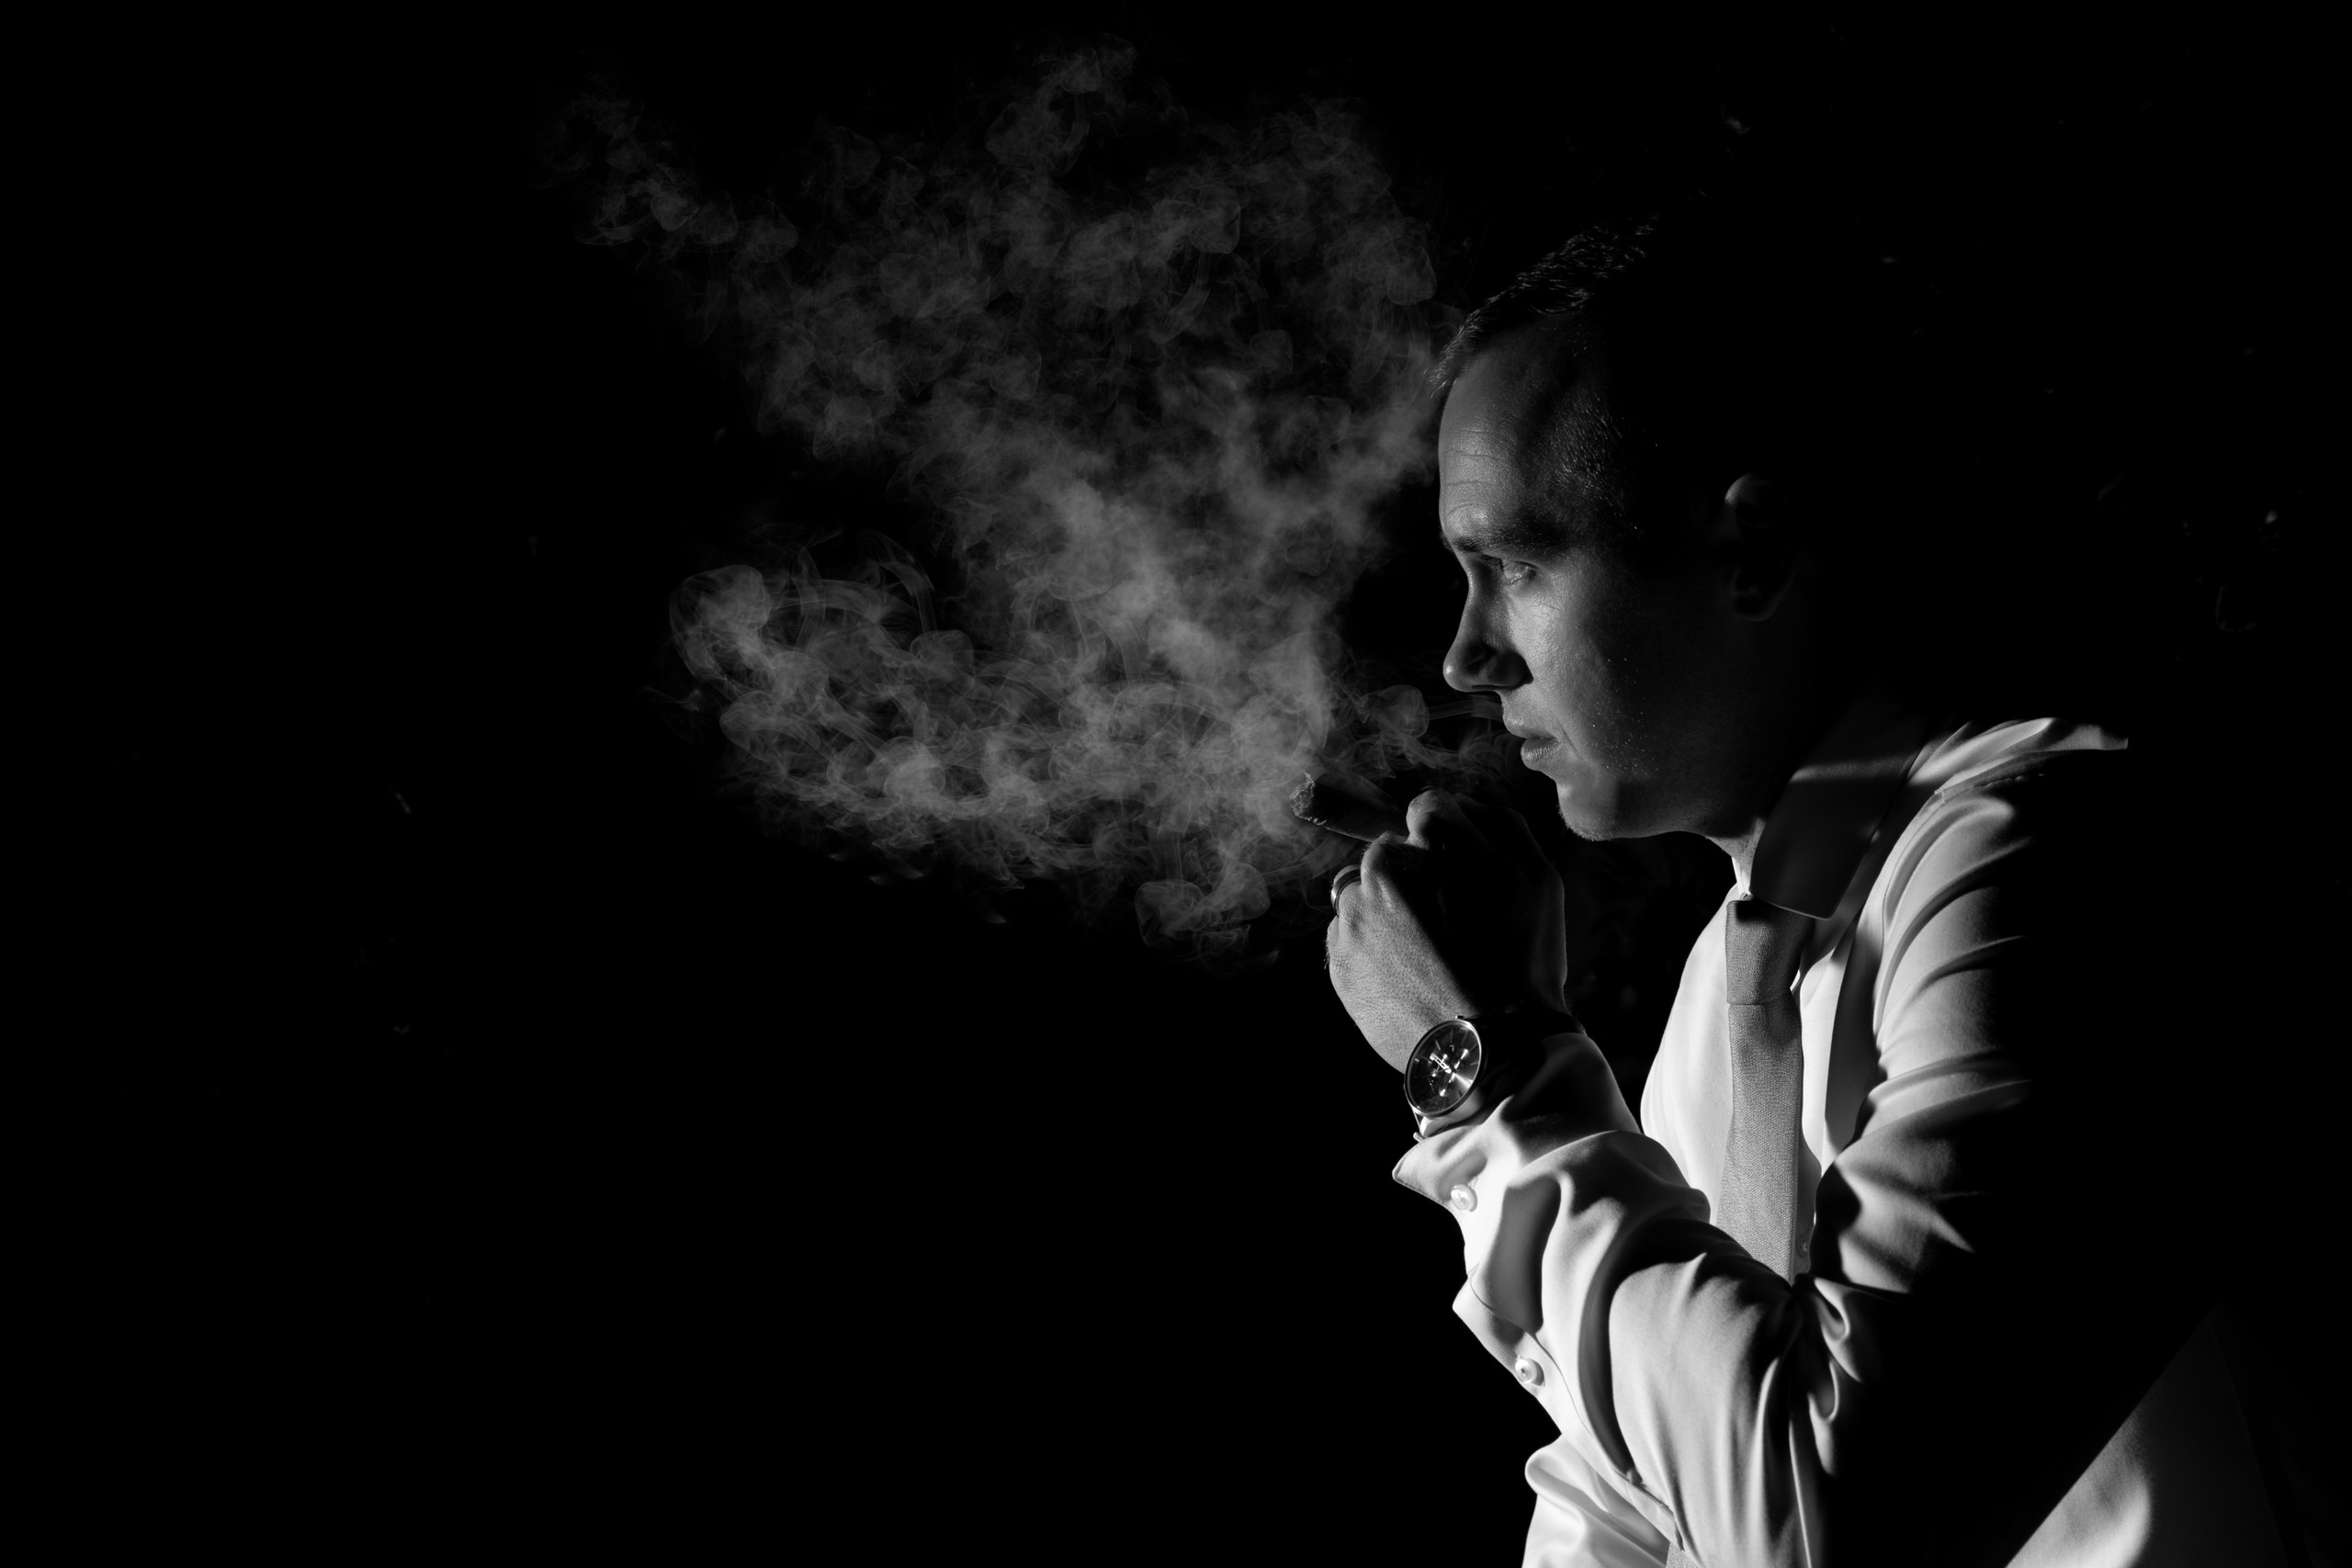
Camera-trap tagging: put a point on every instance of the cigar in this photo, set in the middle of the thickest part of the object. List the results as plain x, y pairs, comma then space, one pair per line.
1345, 805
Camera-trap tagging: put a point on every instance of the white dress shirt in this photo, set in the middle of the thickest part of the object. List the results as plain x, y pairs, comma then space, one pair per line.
1957, 1263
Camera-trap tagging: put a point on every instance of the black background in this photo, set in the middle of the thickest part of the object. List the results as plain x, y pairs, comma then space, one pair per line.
638, 1176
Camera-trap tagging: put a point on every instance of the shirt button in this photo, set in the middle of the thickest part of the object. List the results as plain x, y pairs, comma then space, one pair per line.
1463, 1199
1528, 1372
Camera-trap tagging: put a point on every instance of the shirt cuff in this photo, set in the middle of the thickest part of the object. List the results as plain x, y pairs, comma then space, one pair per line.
1550, 1197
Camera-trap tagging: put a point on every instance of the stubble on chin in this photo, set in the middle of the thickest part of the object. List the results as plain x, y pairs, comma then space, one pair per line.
1578, 814
1599, 812
1593, 832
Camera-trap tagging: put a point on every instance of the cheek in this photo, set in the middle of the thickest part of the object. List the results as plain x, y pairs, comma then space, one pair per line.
1587, 677
1613, 670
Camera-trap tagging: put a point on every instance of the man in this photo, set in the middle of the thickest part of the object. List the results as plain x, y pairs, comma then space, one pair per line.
1881, 1273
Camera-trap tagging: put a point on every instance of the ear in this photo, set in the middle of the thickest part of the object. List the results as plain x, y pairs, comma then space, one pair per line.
1755, 545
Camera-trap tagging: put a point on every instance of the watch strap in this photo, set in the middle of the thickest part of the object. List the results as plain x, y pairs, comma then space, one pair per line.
1520, 1032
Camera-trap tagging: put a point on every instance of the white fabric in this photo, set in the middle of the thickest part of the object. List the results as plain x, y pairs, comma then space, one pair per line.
1701, 1399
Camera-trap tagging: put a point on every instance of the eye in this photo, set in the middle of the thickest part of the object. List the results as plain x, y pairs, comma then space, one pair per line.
1515, 573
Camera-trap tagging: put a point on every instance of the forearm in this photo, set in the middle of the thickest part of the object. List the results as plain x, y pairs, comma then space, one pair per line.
1953, 1357
1562, 1216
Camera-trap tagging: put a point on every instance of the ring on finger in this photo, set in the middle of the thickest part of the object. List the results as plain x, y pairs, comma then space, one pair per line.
1347, 878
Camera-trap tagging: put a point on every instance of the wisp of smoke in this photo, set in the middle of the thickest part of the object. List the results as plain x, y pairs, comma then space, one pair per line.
1152, 415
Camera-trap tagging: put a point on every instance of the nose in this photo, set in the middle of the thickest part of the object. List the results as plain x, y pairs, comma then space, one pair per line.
1481, 659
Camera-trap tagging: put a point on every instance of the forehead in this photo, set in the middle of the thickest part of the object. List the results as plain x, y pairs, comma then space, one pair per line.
1521, 431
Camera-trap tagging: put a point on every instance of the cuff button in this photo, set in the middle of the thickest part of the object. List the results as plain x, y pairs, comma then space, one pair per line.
1463, 1199
1527, 1372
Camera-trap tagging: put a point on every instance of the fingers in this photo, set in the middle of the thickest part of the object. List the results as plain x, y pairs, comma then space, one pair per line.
1436, 820
1504, 829
1344, 804
1447, 820
1439, 822
1389, 858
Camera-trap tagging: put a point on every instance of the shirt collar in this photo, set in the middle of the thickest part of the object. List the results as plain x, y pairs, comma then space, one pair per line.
1813, 840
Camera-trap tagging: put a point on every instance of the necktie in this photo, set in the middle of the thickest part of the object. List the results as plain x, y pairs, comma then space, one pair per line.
1762, 944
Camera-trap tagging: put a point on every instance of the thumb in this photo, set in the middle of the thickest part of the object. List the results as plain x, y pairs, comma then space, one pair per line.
1435, 820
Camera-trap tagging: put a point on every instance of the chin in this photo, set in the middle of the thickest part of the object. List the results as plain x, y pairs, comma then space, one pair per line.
1577, 811
1596, 812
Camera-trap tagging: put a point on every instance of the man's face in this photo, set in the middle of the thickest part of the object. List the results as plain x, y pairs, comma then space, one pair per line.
1619, 680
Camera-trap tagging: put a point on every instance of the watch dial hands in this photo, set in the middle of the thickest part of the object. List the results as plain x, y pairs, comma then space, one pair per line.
1444, 1066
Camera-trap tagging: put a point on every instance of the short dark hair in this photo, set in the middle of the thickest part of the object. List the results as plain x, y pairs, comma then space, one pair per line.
1571, 288
1735, 340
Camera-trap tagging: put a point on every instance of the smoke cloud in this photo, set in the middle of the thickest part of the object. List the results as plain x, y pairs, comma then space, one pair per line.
1153, 414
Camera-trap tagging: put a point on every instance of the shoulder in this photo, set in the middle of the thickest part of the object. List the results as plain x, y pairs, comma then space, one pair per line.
2022, 915
2006, 803
2014, 901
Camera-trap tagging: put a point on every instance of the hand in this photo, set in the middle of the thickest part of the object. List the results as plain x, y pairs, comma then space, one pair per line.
1463, 915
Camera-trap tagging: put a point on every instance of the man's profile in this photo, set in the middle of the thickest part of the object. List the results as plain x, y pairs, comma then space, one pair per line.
1864, 1279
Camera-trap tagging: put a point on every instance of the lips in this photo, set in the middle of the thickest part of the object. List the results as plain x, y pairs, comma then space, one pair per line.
1534, 746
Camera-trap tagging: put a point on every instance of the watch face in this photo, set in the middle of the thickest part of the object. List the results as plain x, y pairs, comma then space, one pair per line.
1441, 1068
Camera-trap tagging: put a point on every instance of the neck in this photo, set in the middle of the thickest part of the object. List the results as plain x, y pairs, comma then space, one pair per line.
1812, 706
1741, 848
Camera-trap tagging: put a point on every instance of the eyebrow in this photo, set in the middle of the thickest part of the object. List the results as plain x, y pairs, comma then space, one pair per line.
1511, 535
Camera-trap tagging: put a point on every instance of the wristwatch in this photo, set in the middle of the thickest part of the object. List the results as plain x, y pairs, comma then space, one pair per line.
1452, 1060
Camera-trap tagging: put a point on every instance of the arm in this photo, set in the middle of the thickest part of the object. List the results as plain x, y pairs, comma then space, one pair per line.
1955, 1360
